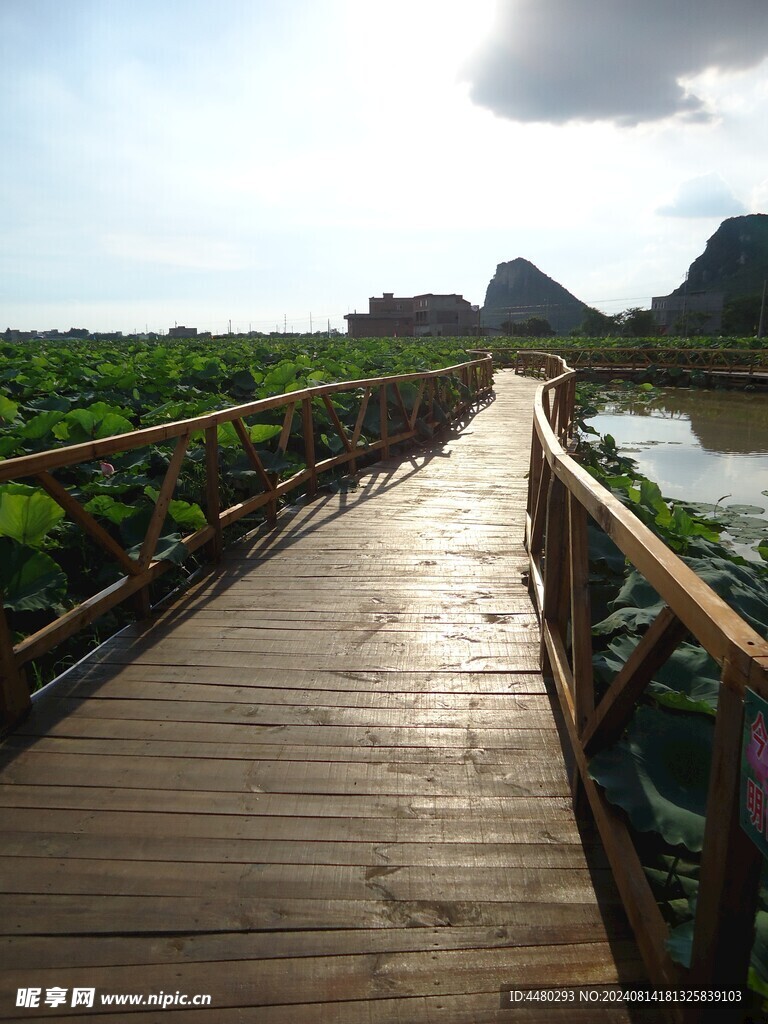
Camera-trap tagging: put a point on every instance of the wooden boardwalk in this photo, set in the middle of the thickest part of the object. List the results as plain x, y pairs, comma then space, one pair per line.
326, 786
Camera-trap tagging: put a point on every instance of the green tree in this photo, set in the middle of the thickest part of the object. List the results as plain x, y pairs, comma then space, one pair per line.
533, 327
596, 324
636, 323
741, 316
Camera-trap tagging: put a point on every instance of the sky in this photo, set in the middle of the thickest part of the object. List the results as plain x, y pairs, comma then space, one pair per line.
264, 162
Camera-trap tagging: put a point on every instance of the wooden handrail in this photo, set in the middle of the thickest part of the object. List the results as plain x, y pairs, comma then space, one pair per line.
561, 493
474, 376
639, 357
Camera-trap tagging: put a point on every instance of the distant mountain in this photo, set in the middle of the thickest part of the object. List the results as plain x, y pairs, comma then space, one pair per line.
735, 260
519, 290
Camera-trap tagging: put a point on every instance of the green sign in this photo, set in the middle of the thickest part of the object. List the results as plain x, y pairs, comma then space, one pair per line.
754, 771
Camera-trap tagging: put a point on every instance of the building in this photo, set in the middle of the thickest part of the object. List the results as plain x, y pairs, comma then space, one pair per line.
182, 332
387, 317
406, 317
689, 313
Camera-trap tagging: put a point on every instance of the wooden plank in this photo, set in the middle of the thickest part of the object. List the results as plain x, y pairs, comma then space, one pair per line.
167, 801
286, 715
203, 824
321, 692
507, 856
571, 924
366, 976
477, 1008
519, 777
472, 743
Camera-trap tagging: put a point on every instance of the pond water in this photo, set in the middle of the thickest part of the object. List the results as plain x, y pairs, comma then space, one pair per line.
698, 446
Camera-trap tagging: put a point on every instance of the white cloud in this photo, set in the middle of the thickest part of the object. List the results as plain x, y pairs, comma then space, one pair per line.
704, 196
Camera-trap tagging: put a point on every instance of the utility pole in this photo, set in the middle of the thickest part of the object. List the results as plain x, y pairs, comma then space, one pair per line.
285, 322
310, 323
761, 327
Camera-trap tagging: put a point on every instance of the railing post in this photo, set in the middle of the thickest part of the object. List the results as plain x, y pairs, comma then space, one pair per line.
309, 445
556, 568
14, 692
383, 421
212, 503
581, 619
730, 870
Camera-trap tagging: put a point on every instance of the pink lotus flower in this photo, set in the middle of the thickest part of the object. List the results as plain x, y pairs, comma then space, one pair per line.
107, 468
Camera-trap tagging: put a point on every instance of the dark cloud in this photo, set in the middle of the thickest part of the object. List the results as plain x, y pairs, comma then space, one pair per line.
705, 196
612, 60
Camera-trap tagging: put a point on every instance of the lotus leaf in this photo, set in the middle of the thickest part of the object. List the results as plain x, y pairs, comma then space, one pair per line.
748, 510
659, 772
30, 580
106, 507
27, 514
8, 409
261, 432
680, 945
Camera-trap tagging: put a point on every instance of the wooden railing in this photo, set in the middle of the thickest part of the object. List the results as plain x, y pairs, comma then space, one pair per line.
666, 357
561, 497
436, 397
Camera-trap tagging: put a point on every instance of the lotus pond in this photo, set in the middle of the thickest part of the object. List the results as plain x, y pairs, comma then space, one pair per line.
706, 448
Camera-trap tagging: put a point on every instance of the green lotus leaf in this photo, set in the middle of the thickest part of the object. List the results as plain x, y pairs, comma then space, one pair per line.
659, 773
30, 580
282, 374
27, 514
183, 513
688, 681
680, 945
188, 514
107, 508
743, 587
169, 548
100, 420
261, 432
226, 436
40, 425
244, 382
333, 442
274, 462
8, 409
746, 510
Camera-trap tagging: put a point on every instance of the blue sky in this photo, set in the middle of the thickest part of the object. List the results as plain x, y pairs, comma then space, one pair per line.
196, 161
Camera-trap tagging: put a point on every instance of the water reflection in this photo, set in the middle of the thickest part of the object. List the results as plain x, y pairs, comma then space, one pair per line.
706, 446
721, 421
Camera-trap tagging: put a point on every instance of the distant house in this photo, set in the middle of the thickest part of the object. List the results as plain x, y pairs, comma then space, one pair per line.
691, 313
182, 332
418, 315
